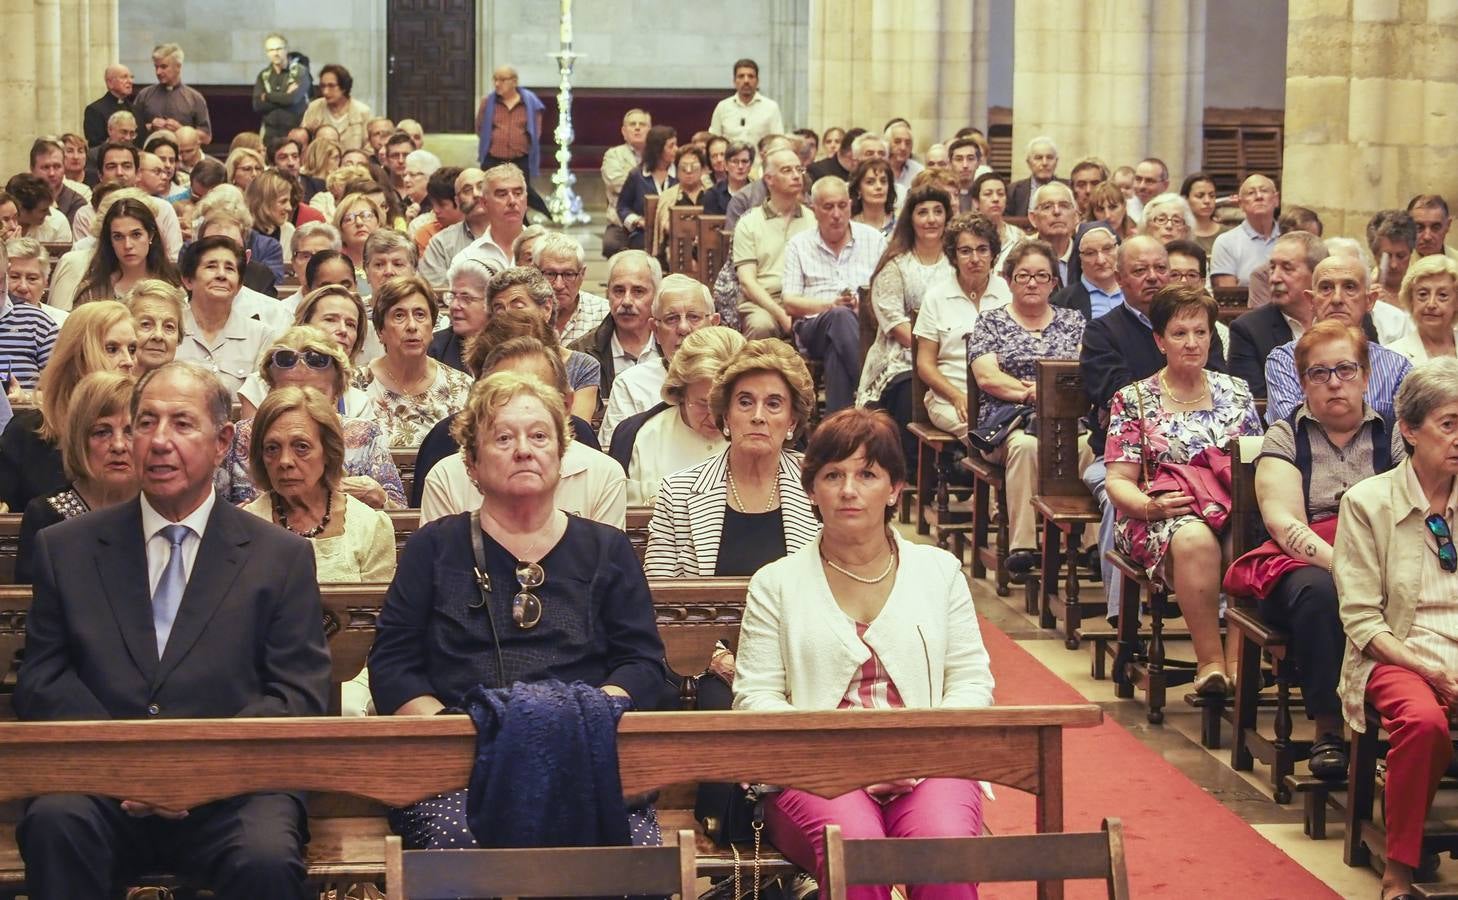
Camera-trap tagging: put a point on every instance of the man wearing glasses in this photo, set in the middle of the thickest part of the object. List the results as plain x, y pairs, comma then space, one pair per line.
1338, 291
1240, 251
563, 262
1055, 216
683, 306
281, 91
475, 222
1151, 178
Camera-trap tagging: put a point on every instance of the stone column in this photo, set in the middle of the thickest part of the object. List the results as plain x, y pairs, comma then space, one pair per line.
923, 60
1371, 87
18, 84
1118, 79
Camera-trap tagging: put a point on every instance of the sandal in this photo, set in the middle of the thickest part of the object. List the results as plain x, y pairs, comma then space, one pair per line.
1329, 758
1213, 683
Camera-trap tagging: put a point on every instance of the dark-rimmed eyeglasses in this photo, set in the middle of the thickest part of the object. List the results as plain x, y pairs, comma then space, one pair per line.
1344, 371
287, 359
526, 607
1447, 553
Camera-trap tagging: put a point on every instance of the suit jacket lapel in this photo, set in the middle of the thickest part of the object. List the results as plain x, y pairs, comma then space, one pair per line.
218, 561
121, 568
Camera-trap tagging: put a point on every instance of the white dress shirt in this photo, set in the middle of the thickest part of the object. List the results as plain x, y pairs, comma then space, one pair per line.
748, 122
592, 486
159, 549
635, 390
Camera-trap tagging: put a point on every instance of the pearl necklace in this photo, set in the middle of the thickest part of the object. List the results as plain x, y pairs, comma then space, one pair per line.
774, 493
283, 517
890, 564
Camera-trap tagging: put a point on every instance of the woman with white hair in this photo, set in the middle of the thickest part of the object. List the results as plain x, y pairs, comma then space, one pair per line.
419, 166
1429, 293
1167, 217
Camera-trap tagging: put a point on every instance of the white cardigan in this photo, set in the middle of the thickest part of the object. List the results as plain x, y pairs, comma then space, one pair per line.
799, 650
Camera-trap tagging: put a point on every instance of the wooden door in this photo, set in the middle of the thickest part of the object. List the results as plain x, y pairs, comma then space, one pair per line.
431, 63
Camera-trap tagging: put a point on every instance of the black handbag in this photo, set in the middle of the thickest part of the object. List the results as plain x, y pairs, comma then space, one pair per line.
729, 813
993, 433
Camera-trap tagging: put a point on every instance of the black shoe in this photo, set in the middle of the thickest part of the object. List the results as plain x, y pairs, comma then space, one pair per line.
1020, 563
1329, 758
1092, 560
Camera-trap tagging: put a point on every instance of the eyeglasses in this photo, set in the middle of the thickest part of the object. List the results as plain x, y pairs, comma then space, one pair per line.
673, 320
361, 215
969, 252
1185, 275
1034, 277
449, 297
1447, 553
1165, 221
526, 607
561, 274
1344, 371
287, 359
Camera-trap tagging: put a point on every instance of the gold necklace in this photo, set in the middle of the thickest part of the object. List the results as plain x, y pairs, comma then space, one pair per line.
774, 492
1169, 392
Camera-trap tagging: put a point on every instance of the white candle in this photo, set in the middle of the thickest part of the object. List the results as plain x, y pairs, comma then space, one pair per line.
566, 23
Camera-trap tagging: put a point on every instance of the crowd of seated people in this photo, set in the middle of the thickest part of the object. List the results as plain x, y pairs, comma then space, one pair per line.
264, 326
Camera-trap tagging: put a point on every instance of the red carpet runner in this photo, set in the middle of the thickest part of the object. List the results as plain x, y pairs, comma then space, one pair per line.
1180, 842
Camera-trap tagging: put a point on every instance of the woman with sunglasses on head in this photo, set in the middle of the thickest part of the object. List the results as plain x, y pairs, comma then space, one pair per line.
1307, 462
296, 454
1397, 578
304, 356
558, 597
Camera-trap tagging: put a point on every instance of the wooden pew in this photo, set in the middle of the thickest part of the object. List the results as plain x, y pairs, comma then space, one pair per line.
637, 529
683, 240
713, 248
650, 224
404, 459
406, 522
1062, 502
9, 546
1233, 302
397, 760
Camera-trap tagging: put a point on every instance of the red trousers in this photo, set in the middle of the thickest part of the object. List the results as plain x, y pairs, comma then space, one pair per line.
1420, 748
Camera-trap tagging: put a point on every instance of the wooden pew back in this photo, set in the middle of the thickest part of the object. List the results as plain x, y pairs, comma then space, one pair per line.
404, 459
1060, 404
683, 240
637, 529
1247, 528
650, 224
9, 546
713, 248
1233, 302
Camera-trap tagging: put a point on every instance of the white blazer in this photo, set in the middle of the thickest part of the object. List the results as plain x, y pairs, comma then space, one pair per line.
688, 517
799, 650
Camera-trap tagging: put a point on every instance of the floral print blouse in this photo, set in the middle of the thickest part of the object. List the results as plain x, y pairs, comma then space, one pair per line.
1018, 349
407, 420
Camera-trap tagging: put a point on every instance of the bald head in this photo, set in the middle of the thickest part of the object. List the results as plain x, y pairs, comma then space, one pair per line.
118, 80
1142, 269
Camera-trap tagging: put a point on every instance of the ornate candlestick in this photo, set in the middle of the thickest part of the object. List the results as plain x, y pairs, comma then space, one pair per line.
564, 204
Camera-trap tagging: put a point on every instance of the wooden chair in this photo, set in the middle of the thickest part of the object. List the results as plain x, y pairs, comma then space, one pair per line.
650, 224
1062, 501
683, 240
866, 317
404, 459
405, 523
1257, 638
552, 872
1367, 835
988, 480
988, 859
14, 605
1150, 669
1233, 302
713, 248
934, 449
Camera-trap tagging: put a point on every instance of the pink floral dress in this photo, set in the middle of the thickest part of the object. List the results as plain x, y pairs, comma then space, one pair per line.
1139, 424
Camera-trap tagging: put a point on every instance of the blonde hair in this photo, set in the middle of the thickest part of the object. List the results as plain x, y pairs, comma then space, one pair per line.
262, 198
237, 154
495, 391
96, 396
1427, 267
159, 290
767, 355
80, 350
301, 338
312, 300
316, 158
347, 203
701, 355
335, 181
317, 407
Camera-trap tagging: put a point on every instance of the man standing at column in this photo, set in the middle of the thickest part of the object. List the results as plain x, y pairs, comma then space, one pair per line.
747, 115
118, 96
509, 125
169, 103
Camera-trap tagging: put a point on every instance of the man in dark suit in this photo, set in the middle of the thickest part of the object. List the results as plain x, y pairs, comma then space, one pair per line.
118, 97
174, 605
1118, 350
1042, 160
1255, 334
625, 337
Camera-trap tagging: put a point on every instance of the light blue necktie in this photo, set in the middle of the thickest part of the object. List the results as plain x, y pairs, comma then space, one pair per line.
170, 586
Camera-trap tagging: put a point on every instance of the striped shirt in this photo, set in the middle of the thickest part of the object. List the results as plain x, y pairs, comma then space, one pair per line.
1433, 637
871, 687
813, 270
591, 310
1283, 385
27, 336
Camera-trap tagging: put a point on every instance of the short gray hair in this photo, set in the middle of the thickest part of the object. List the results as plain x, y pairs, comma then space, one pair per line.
655, 269
681, 285
859, 143
1170, 199
1042, 139
1350, 248
424, 160
471, 266
313, 229
1313, 246
503, 171
555, 243
216, 397
24, 248
387, 240
1426, 388
825, 183
531, 232
121, 115
167, 51
1050, 186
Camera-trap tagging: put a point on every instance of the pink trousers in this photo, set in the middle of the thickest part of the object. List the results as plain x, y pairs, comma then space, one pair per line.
1417, 754
938, 807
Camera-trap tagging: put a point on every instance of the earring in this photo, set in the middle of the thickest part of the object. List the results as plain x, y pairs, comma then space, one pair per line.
725, 429
790, 435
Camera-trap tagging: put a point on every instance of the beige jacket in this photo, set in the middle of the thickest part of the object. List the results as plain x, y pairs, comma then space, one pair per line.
1380, 543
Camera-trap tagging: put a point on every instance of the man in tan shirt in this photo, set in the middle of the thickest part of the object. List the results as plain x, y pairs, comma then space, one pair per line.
759, 246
